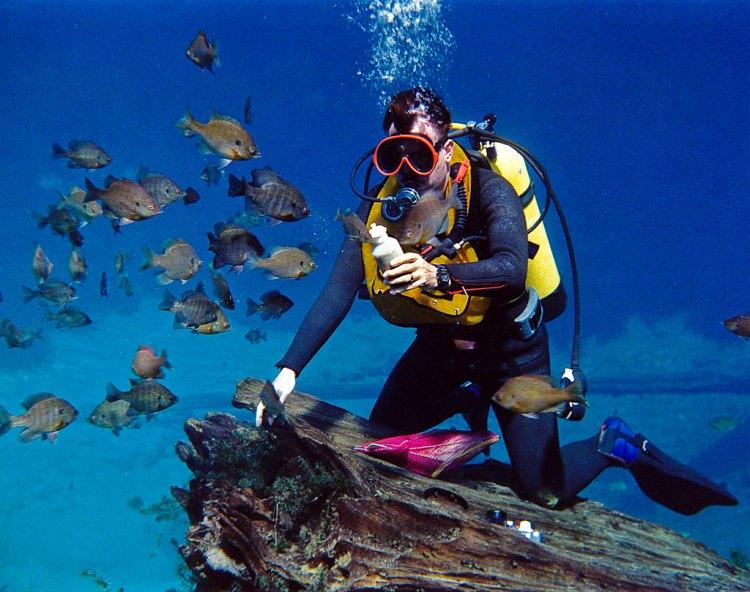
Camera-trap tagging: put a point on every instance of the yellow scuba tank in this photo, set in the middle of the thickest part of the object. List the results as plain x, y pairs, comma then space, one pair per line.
542, 274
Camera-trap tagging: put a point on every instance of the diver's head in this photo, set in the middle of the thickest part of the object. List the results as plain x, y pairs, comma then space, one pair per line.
417, 149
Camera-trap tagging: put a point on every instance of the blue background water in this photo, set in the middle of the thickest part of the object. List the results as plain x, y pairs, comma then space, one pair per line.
638, 111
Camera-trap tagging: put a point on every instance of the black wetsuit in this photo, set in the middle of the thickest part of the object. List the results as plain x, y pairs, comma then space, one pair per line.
419, 392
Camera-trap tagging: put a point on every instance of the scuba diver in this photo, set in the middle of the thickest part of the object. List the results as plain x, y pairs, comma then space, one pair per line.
478, 287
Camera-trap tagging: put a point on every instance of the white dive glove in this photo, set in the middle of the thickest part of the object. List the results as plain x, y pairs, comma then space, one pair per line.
283, 384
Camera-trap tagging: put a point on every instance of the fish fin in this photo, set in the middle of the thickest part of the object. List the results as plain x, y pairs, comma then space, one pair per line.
186, 124
28, 294
531, 415
265, 175
58, 151
92, 191
142, 173
136, 381
41, 221
237, 186
116, 431
272, 221
204, 148
201, 288
252, 307
28, 435
168, 301
238, 268
132, 412
51, 436
224, 162
148, 258
269, 276
113, 393
164, 279
149, 417
29, 401
5, 420
222, 117
160, 374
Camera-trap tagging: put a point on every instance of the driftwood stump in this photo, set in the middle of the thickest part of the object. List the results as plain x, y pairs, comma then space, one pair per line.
294, 508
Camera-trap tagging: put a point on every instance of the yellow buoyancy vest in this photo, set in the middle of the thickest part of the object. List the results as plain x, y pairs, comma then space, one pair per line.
417, 307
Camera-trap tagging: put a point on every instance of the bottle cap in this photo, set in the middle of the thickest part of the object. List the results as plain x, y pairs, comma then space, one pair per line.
525, 526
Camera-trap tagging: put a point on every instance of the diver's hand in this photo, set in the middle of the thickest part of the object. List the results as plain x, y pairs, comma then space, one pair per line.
283, 384
409, 271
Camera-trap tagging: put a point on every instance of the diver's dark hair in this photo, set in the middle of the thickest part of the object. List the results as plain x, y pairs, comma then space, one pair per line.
409, 104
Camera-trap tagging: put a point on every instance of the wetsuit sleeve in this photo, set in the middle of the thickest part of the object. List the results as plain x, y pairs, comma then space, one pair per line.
331, 306
503, 272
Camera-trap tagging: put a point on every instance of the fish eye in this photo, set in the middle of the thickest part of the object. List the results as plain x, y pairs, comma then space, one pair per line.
239, 142
138, 203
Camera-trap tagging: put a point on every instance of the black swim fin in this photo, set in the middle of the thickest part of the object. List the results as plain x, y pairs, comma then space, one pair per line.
659, 476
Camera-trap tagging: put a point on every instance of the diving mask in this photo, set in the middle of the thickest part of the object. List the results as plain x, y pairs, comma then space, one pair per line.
416, 150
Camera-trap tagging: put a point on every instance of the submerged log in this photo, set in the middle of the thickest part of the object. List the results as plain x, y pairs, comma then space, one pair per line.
293, 508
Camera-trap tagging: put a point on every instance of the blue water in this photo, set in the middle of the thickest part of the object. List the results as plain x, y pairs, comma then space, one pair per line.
638, 111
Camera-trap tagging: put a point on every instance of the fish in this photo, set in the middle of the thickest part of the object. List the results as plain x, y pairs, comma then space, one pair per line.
723, 423
739, 325
193, 309
248, 110
286, 262
53, 291
270, 195
146, 396
77, 266
120, 259
41, 266
221, 135
270, 399
203, 53
63, 222
45, 416
529, 395
427, 218
161, 188
113, 415
213, 175
82, 154
191, 196
255, 336
272, 305
103, 291
354, 227
233, 245
123, 200
75, 201
220, 325
18, 338
126, 285
222, 291
146, 364
179, 261
69, 317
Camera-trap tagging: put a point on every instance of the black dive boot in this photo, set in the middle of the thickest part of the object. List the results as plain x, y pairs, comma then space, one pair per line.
659, 476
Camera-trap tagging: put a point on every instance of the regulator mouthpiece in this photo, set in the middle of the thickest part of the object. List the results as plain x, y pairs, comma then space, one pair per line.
395, 207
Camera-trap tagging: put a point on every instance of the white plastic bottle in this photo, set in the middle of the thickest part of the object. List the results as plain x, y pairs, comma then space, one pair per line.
384, 247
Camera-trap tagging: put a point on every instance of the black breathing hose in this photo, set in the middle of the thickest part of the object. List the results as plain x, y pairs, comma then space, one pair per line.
551, 197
